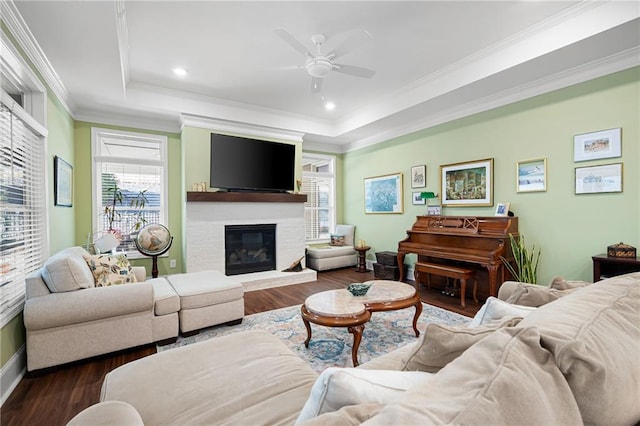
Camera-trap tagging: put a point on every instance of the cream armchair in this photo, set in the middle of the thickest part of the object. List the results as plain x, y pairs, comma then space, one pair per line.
326, 257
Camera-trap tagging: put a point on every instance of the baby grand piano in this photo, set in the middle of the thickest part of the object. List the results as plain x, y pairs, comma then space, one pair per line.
473, 241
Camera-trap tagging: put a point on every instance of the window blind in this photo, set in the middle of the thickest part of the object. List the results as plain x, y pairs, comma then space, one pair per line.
22, 209
318, 183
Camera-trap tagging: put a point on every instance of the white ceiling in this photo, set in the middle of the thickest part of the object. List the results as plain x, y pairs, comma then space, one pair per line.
434, 61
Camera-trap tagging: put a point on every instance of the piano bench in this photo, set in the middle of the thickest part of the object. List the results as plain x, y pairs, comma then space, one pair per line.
461, 274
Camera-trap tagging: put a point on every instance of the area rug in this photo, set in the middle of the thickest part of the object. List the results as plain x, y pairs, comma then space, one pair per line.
331, 346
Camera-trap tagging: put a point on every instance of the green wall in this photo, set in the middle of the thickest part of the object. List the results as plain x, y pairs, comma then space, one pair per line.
196, 149
82, 180
59, 124
570, 228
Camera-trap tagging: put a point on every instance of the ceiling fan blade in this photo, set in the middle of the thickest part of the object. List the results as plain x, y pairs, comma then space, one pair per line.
286, 68
353, 70
350, 43
316, 84
292, 41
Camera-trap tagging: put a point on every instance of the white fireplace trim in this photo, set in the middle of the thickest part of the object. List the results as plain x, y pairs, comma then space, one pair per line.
205, 222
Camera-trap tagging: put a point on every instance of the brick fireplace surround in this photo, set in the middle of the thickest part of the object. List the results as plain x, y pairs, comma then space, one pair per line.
207, 213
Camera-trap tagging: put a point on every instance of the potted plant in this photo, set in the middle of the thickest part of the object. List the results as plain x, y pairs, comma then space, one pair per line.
526, 260
113, 216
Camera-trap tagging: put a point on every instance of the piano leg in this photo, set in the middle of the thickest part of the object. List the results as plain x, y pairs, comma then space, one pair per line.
493, 279
400, 257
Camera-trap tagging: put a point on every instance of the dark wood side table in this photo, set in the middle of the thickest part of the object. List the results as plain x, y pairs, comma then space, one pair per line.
605, 266
362, 258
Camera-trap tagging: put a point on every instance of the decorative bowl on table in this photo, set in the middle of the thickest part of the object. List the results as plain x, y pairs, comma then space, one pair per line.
358, 289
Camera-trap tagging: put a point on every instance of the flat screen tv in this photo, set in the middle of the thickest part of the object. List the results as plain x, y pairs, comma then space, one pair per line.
244, 164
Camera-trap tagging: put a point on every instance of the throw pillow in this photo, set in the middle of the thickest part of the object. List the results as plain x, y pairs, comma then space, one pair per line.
66, 272
496, 309
337, 240
440, 344
534, 295
560, 283
110, 270
338, 387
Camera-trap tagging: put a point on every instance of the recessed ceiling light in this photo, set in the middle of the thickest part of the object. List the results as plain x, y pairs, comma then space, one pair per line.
180, 72
329, 106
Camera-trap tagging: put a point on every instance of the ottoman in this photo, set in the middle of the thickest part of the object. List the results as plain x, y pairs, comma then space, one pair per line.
207, 298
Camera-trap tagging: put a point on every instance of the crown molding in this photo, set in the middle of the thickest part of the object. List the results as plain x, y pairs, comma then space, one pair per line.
27, 42
241, 128
602, 67
576, 23
134, 120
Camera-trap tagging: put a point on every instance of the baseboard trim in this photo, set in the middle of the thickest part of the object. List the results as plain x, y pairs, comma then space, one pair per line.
12, 372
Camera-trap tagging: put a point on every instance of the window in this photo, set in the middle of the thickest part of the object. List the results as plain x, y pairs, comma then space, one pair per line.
318, 182
23, 207
134, 164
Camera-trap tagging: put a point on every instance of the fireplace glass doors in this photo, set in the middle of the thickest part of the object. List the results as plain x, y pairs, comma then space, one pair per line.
249, 248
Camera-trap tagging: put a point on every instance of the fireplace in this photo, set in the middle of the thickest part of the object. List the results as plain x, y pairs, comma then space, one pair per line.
249, 248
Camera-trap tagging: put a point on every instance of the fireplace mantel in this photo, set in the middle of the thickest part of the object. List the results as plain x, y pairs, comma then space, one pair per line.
245, 197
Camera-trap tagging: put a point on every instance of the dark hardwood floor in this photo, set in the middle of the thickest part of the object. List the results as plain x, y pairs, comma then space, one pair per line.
54, 396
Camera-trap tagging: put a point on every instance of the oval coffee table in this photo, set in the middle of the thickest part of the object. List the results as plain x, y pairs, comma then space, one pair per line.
339, 308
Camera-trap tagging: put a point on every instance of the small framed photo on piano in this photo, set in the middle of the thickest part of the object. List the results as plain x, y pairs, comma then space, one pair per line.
502, 209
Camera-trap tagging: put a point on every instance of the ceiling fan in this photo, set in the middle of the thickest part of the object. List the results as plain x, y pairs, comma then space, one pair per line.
320, 64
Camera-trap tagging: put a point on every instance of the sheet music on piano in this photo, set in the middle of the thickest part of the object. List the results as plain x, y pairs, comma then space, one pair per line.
477, 240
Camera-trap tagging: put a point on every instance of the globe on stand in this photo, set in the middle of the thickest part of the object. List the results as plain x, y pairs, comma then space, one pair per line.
153, 240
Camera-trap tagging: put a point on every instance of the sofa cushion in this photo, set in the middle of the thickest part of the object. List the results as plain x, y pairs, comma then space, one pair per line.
440, 344
495, 309
205, 288
338, 387
246, 378
324, 252
66, 271
107, 414
594, 335
349, 233
505, 379
110, 270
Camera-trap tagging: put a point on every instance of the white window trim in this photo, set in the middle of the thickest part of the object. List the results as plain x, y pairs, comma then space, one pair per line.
97, 134
332, 202
33, 114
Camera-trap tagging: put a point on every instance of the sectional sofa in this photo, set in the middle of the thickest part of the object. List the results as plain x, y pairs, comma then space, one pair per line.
572, 360
69, 316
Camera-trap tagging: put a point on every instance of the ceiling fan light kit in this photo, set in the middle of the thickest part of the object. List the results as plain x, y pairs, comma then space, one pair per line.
319, 65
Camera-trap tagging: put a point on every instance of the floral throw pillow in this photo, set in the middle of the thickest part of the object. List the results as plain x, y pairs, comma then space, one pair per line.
110, 270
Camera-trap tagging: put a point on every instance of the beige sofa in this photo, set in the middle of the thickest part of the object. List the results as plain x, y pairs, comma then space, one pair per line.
573, 360
67, 318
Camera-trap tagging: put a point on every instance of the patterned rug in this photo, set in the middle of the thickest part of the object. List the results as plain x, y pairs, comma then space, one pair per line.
331, 346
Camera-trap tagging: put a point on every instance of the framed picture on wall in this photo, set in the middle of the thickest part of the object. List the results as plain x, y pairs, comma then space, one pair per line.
63, 182
419, 176
531, 175
597, 179
597, 145
383, 194
467, 184
417, 199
